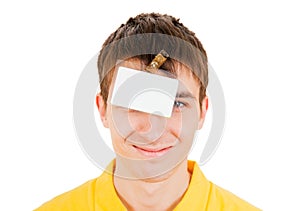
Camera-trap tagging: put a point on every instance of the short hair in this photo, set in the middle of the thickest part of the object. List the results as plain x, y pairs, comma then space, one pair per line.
145, 35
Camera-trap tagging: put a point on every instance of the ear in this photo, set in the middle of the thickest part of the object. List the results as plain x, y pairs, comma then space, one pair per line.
102, 109
204, 108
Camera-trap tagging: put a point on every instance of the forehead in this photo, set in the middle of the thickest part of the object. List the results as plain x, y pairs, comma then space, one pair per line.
188, 83
179, 71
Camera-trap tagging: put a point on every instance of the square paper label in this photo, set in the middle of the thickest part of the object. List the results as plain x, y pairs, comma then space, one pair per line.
143, 91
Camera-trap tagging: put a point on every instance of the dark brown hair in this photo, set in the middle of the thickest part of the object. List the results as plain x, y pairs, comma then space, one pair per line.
142, 38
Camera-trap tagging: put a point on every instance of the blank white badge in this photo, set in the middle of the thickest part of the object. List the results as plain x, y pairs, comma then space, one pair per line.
145, 92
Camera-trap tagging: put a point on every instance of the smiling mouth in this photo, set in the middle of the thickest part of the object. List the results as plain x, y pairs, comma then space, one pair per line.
152, 153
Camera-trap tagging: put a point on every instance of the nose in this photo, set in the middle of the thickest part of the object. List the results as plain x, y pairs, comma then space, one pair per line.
149, 127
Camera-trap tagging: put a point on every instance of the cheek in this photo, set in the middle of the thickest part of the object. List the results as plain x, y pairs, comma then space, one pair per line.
116, 137
174, 124
119, 122
183, 125
118, 142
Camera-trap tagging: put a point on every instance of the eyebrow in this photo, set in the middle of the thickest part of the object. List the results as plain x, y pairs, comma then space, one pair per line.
184, 94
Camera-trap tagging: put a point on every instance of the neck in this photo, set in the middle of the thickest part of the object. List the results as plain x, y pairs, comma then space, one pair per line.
160, 193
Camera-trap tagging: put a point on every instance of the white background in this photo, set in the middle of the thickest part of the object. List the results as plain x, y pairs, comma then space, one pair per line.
252, 45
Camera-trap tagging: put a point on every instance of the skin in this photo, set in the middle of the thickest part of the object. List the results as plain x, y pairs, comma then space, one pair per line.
151, 151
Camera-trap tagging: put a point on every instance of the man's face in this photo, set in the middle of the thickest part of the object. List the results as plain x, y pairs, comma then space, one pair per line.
142, 136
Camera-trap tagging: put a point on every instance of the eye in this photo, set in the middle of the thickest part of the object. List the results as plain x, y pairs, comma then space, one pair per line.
178, 105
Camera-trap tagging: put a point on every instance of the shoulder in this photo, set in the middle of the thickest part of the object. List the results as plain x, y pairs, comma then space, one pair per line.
227, 200
79, 198
96, 194
212, 196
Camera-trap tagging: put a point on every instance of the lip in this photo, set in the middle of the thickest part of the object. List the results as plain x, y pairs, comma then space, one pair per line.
152, 153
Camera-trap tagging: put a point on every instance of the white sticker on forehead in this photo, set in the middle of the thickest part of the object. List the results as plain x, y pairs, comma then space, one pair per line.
143, 91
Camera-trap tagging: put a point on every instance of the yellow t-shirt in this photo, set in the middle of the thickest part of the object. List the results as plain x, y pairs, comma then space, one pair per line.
99, 195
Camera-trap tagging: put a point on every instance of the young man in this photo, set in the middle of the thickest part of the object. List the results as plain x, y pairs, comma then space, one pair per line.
151, 170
